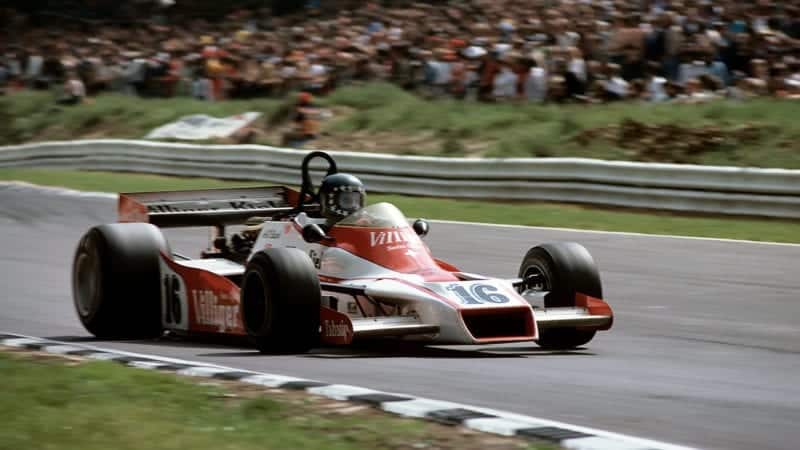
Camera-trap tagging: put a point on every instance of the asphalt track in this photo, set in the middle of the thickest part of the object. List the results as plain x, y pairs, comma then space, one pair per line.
705, 349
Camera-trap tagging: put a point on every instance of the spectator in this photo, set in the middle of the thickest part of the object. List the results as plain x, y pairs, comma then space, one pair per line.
576, 76
656, 85
616, 87
305, 118
696, 92
487, 71
692, 69
201, 86
536, 83
3, 77
505, 82
74, 90
33, 69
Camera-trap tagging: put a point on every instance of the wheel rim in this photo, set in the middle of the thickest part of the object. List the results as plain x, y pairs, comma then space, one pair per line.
542, 285
87, 283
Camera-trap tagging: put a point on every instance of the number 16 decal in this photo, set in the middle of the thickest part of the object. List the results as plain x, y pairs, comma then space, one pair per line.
174, 301
477, 294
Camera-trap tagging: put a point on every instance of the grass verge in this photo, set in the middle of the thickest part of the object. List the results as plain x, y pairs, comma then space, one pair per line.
381, 117
101, 405
536, 214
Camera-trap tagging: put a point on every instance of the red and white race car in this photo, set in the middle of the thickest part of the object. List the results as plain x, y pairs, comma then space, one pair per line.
292, 280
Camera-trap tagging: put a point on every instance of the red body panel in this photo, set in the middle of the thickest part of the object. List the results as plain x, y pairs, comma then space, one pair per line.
212, 301
595, 306
129, 210
398, 249
336, 328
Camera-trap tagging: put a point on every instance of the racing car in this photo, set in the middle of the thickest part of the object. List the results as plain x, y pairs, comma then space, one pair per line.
294, 270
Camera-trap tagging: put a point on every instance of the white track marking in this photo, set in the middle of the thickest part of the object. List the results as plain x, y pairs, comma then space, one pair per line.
496, 425
104, 356
160, 359
418, 407
270, 380
20, 342
601, 443
201, 371
540, 422
152, 365
60, 349
341, 391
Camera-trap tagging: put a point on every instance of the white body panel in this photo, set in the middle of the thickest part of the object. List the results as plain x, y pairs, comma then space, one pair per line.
220, 266
435, 303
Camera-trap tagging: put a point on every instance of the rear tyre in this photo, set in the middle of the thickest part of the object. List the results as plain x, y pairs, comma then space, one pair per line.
563, 269
281, 301
115, 280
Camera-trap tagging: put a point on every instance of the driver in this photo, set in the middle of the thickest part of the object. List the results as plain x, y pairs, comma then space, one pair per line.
340, 195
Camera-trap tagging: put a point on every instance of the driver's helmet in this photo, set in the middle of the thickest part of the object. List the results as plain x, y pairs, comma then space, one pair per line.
340, 195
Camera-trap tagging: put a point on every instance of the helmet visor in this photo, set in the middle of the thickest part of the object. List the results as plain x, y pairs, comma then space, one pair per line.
351, 201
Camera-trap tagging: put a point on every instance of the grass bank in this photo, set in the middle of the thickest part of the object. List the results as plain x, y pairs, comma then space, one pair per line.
536, 214
101, 405
384, 118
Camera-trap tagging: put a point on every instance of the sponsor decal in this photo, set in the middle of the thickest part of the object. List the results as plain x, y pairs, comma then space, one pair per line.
392, 239
335, 327
272, 234
209, 312
236, 205
198, 300
332, 328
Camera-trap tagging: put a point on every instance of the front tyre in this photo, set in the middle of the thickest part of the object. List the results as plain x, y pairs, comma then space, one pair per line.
115, 280
281, 301
563, 269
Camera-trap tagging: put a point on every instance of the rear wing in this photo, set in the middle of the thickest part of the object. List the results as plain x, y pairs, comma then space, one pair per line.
209, 207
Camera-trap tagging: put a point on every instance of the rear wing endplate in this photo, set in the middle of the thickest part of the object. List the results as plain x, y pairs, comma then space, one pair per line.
211, 207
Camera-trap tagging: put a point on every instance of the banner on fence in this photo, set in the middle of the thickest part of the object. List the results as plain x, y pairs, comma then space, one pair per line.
202, 126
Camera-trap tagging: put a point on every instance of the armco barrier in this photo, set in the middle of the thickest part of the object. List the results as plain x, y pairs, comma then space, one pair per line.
720, 190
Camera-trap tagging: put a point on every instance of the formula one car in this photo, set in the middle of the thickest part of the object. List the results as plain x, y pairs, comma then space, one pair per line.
317, 267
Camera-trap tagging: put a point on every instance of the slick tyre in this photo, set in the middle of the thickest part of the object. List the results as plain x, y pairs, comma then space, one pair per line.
563, 269
281, 301
115, 280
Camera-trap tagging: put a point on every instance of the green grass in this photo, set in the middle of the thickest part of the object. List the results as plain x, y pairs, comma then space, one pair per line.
537, 214
101, 405
548, 130
389, 118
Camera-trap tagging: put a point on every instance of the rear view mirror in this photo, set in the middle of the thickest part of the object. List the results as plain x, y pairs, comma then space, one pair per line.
312, 233
421, 227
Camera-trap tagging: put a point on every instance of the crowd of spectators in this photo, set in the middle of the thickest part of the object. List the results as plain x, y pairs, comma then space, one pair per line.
489, 50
